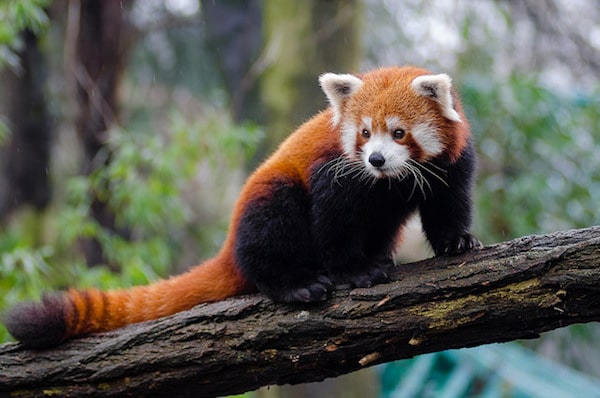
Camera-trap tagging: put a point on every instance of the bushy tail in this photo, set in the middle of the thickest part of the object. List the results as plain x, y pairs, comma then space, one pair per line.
59, 317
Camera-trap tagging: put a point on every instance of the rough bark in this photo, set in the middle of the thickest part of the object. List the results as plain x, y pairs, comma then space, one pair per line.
508, 291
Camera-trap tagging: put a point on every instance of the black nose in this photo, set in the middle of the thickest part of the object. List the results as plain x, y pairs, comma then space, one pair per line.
376, 159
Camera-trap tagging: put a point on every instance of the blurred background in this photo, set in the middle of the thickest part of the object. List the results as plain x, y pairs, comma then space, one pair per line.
127, 127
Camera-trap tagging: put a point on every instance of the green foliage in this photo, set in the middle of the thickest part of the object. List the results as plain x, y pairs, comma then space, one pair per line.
16, 16
152, 185
147, 185
539, 163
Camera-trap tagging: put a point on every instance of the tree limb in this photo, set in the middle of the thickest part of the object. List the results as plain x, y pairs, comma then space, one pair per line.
508, 291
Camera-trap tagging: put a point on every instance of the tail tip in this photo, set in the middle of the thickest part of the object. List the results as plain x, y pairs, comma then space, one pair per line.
38, 325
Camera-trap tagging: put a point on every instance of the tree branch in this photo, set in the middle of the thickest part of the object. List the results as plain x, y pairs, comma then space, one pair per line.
508, 291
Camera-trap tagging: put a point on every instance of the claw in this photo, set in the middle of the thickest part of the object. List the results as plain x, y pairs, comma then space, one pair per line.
311, 293
458, 245
372, 276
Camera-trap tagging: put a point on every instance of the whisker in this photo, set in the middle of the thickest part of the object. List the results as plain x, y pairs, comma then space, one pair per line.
425, 167
329, 164
342, 167
419, 179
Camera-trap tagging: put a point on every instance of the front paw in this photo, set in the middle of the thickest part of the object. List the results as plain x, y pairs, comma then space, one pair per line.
457, 245
310, 293
368, 277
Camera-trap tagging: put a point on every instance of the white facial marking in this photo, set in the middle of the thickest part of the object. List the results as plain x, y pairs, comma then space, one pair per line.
349, 139
349, 131
392, 122
395, 155
428, 139
368, 122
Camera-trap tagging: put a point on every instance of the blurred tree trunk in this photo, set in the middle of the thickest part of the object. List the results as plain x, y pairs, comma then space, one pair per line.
24, 160
303, 40
234, 33
100, 56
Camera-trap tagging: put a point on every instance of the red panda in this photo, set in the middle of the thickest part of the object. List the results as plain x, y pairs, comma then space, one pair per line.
324, 210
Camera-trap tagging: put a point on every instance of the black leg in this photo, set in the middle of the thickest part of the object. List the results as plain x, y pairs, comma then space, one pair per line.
275, 249
447, 214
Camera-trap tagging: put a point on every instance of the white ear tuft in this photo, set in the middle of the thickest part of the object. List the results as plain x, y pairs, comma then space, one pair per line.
339, 88
438, 88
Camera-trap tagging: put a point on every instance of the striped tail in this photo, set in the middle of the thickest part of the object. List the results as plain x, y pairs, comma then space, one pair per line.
59, 317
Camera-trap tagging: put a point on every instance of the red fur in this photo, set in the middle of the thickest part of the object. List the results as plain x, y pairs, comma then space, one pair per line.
401, 100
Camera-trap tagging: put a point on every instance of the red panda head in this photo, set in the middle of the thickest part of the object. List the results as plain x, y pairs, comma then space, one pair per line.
391, 117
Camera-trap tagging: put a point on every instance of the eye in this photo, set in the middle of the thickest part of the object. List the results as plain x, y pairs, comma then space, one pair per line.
398, 134
365, 133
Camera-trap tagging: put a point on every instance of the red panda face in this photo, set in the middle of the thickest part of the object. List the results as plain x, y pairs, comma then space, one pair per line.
392, 118
387, 147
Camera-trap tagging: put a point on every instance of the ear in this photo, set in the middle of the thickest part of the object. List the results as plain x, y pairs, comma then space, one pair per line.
338, 88
438, 88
